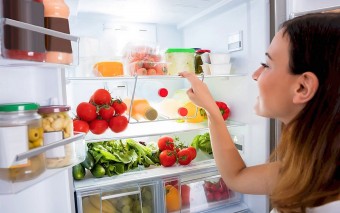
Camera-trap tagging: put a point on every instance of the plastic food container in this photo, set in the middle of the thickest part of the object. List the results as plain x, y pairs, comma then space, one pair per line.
219, 58
180, 60
148, 68
108, 69
219, 69
57, 125
20, 131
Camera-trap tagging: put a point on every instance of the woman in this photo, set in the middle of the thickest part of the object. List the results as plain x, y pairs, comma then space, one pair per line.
300, 86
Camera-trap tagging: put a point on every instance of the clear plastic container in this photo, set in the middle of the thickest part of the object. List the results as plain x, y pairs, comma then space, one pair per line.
20, 131
180, 60
58, 125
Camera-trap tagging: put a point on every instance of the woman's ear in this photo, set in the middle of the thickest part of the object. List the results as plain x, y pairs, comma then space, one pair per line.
308, 84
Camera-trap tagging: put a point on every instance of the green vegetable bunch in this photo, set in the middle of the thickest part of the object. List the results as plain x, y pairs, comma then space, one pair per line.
118, 156
203, 143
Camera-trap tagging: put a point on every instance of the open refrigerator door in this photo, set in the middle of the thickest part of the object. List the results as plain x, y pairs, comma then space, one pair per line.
99, 33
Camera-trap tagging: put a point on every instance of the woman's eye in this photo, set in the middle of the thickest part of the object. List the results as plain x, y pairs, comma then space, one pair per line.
264, 65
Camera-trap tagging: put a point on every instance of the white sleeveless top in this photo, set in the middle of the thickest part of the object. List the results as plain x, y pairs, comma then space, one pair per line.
332, 207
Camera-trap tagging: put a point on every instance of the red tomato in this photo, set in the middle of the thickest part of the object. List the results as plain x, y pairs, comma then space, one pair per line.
185, 195
193, 152
98, 126
166, 143
118, 123
101, 97
167, 158
86, 111
184, 157
80, 126
119, 106
106, 112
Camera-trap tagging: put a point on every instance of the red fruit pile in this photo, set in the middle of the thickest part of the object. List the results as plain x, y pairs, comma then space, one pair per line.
216, 191
100, 113
170, 153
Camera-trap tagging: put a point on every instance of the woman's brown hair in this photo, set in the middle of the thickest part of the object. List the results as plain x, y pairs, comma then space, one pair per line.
310, 144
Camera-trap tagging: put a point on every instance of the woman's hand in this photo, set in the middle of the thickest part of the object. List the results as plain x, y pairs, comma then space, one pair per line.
199, 92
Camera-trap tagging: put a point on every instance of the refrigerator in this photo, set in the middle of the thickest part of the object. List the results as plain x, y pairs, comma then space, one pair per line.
99, 31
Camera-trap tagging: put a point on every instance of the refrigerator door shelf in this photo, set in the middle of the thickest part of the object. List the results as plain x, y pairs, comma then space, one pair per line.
130, 198
19, 63
78, 144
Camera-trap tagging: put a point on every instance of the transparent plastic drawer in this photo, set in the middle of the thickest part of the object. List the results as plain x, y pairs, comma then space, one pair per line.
136, 198
198, 195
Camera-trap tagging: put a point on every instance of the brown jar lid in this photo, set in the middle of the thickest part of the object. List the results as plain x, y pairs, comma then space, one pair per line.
53, 108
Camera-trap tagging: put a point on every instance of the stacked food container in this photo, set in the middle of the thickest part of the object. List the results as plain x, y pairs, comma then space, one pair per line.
216, 63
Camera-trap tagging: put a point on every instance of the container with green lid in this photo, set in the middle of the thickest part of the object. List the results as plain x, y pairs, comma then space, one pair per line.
20, 131
180, 59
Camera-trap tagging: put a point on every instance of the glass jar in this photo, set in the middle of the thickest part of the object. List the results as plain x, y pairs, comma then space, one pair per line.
199, 61
180, 60
20, 131
21, 43
57, 125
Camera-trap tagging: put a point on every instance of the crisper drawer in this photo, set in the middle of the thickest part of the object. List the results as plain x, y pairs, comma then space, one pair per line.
133, 198
199, 194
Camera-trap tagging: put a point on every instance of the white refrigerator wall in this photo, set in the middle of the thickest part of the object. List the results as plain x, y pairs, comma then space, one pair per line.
240, 94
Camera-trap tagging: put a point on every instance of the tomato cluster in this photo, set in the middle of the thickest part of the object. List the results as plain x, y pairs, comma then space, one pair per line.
170, 153
100, 113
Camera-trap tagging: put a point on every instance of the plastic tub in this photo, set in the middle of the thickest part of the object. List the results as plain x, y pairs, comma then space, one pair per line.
180, 60
219, 58
219, 69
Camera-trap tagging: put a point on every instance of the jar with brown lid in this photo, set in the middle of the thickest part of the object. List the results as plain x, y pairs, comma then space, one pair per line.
20, 131
57, 125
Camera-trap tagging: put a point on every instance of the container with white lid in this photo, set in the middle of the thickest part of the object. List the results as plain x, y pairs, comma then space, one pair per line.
20, 131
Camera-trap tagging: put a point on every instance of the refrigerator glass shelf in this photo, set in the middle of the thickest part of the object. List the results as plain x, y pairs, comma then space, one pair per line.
136, 130
149, 174
164, 77
9, 186
6, 62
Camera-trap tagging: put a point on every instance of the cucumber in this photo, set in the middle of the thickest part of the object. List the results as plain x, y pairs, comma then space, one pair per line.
98, 171
78, 172
88, 163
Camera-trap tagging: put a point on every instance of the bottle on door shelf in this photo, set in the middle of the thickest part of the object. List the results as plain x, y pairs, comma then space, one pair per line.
58, 50
20, 43
141, 109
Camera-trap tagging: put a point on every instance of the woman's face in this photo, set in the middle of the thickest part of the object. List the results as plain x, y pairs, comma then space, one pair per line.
276, 83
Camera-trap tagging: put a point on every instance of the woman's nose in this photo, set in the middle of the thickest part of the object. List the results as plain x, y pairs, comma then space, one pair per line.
257, 73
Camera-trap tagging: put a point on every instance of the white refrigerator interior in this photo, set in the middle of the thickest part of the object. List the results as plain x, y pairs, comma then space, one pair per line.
209, 24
